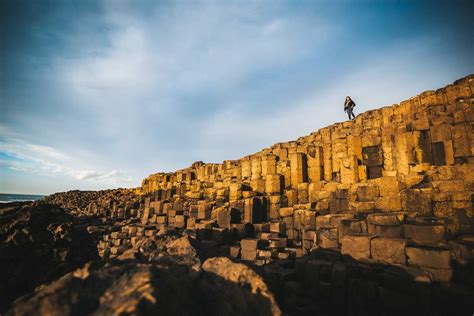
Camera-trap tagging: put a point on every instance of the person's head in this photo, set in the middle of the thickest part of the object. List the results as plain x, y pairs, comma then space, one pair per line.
348, 98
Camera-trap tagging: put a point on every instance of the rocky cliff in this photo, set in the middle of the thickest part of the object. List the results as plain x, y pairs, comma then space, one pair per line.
394, 186
370, 216
410, 163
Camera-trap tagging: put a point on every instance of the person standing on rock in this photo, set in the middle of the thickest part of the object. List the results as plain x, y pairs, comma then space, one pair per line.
348, 107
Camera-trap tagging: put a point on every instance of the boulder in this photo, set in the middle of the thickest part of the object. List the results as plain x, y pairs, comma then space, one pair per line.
438, 258
356, 246
181, 247
424, 233
390, 250
235, 289
113, 288
39, 243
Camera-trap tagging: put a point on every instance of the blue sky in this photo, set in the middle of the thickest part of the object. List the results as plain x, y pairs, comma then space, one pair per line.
100, 94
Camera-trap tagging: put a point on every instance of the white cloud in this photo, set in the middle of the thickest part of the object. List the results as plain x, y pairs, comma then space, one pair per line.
87, 174
47, 161
113, 175
47, 151
121, 65
187, 49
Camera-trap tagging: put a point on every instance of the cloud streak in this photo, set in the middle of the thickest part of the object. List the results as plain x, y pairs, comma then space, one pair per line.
47, 161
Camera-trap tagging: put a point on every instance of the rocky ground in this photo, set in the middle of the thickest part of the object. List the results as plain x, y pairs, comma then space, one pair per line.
50, 266
39, 242
165, 276
72, 254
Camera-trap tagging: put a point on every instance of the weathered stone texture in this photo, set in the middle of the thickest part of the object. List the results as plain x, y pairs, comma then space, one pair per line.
392, 190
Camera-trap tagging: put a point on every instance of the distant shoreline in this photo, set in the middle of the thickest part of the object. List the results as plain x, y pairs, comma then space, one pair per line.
12, 197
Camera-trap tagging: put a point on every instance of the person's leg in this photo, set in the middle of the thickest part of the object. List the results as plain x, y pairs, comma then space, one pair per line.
352, 113
349, 113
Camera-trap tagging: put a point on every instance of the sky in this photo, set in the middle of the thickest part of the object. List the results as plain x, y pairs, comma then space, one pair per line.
100, 94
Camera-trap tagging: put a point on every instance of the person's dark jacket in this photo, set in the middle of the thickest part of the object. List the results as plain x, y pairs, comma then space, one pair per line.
349, 104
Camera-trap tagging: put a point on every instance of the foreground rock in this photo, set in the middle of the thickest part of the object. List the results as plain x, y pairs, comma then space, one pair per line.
235, 289
38, 243
111, 288
169, 284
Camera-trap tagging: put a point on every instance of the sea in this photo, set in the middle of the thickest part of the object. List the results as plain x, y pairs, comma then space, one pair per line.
9, 197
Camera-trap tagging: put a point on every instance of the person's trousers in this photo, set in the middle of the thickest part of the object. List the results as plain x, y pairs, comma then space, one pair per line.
350, 113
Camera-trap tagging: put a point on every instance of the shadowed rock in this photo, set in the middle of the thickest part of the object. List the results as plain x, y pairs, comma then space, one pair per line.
170, 284
38, 243
112, 288
235, 289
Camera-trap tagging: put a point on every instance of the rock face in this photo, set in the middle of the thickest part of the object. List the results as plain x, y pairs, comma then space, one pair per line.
38, 243
157, 286
235, 289
112, 288
370, 216
404, 173
395, 186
